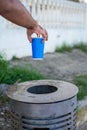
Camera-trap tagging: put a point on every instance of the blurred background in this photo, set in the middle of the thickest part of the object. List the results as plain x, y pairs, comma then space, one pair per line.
65, 20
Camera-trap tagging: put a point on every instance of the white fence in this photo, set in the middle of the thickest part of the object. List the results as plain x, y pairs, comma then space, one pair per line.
65, 21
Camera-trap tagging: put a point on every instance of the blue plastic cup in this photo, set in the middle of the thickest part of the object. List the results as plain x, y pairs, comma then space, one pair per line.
37, 48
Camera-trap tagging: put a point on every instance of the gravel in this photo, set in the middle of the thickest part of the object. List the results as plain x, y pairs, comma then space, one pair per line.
83, 127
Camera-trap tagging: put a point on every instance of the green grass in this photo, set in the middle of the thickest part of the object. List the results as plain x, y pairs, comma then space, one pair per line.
3, 67
64, 48
22, 74
10, 75
67, 48
15, 58
81, 83
82, 46
3, 99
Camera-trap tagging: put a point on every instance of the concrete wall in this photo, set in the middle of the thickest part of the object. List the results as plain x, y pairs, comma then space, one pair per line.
65, 21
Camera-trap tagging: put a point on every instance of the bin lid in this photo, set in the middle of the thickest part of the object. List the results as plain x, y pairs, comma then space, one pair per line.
42, 91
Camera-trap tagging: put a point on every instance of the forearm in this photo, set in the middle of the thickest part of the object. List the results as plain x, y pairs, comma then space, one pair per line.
14, 11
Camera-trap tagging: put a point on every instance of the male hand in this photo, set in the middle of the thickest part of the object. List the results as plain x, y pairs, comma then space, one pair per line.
38, 30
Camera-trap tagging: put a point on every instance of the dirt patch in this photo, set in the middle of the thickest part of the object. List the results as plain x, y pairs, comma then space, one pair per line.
63, 66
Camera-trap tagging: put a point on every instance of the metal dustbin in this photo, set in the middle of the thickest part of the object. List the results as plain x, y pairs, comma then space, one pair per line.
43, 105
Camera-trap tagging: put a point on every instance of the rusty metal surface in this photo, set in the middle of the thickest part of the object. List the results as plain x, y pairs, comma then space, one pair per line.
54, 116
64, 91
43, 104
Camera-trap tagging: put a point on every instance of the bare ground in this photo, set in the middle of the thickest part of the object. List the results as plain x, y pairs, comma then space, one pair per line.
62, 66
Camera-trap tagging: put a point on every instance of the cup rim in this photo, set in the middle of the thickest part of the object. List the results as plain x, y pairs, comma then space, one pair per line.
37, 38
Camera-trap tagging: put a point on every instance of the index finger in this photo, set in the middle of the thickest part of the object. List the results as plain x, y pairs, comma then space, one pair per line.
45, 35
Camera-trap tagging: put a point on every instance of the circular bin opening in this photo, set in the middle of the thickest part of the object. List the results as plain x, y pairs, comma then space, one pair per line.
42, 89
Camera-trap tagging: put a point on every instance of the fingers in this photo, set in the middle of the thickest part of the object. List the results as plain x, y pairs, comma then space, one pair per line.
30, 39
38, 35
29, 35
45, 35
39, 31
